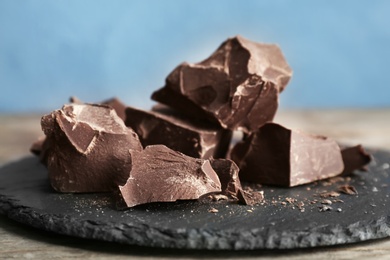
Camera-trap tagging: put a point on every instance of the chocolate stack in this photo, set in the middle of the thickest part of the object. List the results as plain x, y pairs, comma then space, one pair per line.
178, 150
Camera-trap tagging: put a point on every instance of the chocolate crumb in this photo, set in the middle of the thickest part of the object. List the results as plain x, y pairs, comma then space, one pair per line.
329, 194
290, 200
348, 189
328, 202
324, 208
213, 210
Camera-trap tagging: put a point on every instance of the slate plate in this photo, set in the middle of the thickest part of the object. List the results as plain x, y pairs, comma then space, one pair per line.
281, 223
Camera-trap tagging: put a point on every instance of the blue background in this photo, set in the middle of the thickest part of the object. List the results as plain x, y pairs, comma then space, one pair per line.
50, 50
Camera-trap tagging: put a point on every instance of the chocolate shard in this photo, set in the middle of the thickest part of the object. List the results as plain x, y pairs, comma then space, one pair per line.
251, 198
279, 156
227, 172
159, 174
191, 137
87, 148
236, 87
355, 158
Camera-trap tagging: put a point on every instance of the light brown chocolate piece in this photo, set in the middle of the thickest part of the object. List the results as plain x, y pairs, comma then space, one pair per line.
159, 174
87, 148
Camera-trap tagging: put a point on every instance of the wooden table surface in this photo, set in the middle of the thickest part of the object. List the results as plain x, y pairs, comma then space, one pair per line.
17, 241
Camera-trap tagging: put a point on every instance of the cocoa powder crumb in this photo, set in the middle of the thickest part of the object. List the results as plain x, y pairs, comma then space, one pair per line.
348, 189
329, 194
213, 210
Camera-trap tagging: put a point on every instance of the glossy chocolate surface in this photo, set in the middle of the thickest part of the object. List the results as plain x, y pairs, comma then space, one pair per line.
236, 87
87, 148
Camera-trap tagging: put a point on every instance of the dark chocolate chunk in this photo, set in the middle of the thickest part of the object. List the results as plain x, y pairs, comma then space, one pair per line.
227, 172
237, 86
191, 137
279, 156
355, 158
87, 148
115, 103
159, 174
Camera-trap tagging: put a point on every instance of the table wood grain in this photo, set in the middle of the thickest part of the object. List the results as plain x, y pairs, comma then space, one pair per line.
352, 126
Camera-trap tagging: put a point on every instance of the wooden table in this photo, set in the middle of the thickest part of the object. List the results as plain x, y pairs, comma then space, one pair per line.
368, 127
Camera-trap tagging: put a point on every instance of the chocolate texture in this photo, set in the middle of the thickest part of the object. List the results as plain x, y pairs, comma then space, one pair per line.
24, 197
236, 87
87, 148
191, 137
355, 158
227, 172
279, 156
159, 174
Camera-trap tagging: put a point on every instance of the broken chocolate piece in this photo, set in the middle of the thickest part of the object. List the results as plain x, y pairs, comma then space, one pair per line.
159, 174
236, 87
355, 158
251, 197
227, 172
164, 126
279, 156
87, 148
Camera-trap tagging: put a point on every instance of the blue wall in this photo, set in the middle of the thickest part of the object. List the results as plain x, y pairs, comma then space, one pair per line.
50, 50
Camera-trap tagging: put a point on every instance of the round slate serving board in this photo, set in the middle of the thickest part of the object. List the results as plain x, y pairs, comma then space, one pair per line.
288, 218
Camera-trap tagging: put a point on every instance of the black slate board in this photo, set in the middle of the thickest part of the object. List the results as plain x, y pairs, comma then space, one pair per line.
26, 196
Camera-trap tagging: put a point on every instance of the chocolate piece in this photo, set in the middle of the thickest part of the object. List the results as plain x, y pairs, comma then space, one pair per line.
115, 103
164, 126
355, 158
227, 172
237, 86
251, 197
159, 174
279, 156
87, 148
